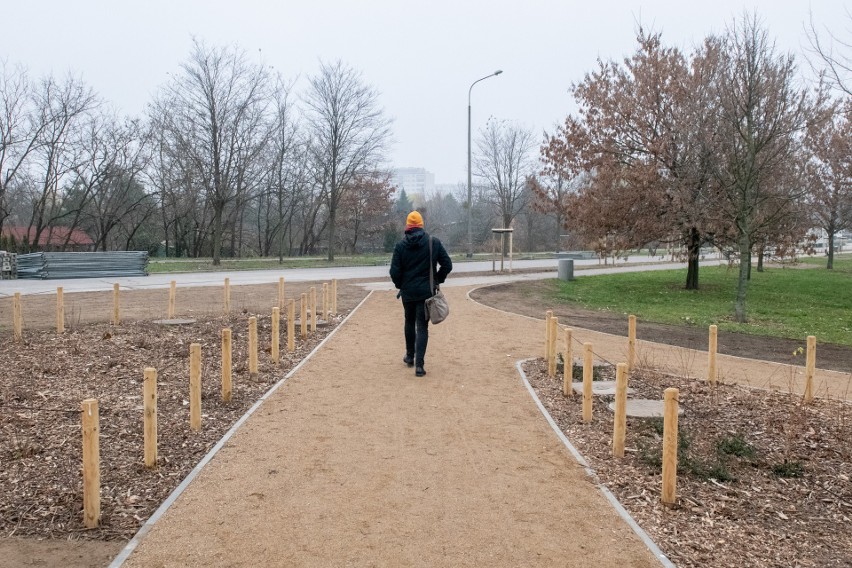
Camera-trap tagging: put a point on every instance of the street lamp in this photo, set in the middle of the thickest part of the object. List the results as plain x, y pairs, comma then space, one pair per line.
469, 192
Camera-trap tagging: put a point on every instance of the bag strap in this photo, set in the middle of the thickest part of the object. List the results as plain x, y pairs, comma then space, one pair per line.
431, 266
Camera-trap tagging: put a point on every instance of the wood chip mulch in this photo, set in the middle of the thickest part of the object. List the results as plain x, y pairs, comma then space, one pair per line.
44, 379
763, 479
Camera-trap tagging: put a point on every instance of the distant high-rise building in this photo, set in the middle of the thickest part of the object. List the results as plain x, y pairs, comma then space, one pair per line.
415, 181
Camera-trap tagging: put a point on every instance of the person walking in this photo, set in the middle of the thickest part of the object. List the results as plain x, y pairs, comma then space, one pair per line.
409, 271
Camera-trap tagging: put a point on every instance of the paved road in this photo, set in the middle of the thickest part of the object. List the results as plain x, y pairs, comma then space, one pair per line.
188, 279
481, 279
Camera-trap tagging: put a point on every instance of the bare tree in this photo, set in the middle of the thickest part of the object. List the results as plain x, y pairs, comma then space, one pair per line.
287, 171
764, 114
833, 53
348, 134
216, 115
20, 129
62, 110
829, 172
113, 193
503, 162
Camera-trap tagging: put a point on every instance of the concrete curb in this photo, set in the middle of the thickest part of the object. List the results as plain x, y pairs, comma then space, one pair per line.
616, 504
164, 506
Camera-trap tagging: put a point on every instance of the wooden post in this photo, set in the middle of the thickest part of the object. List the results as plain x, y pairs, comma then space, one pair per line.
226, 365
325, 301
227, 294
619, 428
588, 370
313, 309
669, 494
115, 305
172, 290
631, 342
91, 464
60, 311
568, 367
711, 355
547, 315
149, 398
810, 368
17, 317
554, 331
276, 334
195, 387
291, 325
303, 313
334, 296
281, 292
252, 346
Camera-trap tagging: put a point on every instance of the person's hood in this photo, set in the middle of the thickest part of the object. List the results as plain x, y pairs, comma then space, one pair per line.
415, 238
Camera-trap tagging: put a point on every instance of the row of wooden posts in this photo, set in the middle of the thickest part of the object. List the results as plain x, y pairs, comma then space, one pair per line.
90, 413
329, 305
670, 395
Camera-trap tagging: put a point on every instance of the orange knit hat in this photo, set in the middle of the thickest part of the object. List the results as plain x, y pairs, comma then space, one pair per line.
414, 220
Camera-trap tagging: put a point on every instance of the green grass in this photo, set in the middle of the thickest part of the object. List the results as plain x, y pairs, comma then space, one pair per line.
842, 262
781, 302
206, 264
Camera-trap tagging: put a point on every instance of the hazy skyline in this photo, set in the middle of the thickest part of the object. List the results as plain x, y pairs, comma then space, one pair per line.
421, 57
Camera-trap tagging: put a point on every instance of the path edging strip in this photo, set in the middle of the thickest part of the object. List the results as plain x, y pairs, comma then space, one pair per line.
164, 506
616, 504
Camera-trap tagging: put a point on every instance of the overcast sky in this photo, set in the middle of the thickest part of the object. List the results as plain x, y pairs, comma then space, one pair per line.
421, 56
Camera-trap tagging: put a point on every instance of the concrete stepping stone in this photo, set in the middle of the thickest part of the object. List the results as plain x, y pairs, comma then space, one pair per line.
599, 388
175, 321
644, 408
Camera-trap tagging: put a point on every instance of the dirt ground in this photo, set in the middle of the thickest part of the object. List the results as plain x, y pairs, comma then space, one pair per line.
50, 361
356, 462
534, 298
47, 376
759, 472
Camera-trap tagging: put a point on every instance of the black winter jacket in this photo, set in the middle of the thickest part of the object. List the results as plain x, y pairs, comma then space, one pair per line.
410, 265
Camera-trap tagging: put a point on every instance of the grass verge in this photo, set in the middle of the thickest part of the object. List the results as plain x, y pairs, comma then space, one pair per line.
166, 265
781, 302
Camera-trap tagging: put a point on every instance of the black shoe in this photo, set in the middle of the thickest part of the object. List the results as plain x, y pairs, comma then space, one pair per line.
408, 360
420, 371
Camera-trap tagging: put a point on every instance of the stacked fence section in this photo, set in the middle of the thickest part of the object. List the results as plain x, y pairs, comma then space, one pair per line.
54, 265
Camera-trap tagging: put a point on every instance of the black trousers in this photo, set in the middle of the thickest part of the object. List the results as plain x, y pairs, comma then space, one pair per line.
416, 330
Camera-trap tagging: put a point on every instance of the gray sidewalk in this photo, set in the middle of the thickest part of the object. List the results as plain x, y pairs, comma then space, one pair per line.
238, 277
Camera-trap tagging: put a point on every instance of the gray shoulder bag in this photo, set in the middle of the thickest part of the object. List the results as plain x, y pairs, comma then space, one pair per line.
437, 308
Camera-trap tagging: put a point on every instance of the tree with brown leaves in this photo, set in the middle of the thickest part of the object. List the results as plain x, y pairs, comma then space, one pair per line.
644, 139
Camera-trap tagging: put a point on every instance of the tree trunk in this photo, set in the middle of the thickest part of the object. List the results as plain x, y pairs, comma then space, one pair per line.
332, 218
281, 234
693, 256
760, 254
830, 265
742, 281
233, 235
217, 234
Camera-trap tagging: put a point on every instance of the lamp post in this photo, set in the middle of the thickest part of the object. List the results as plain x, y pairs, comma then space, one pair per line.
469, 187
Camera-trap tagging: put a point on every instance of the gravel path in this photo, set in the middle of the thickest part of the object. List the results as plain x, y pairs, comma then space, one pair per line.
354, 461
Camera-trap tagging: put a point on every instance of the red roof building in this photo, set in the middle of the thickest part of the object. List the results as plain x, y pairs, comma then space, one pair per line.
51, 238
